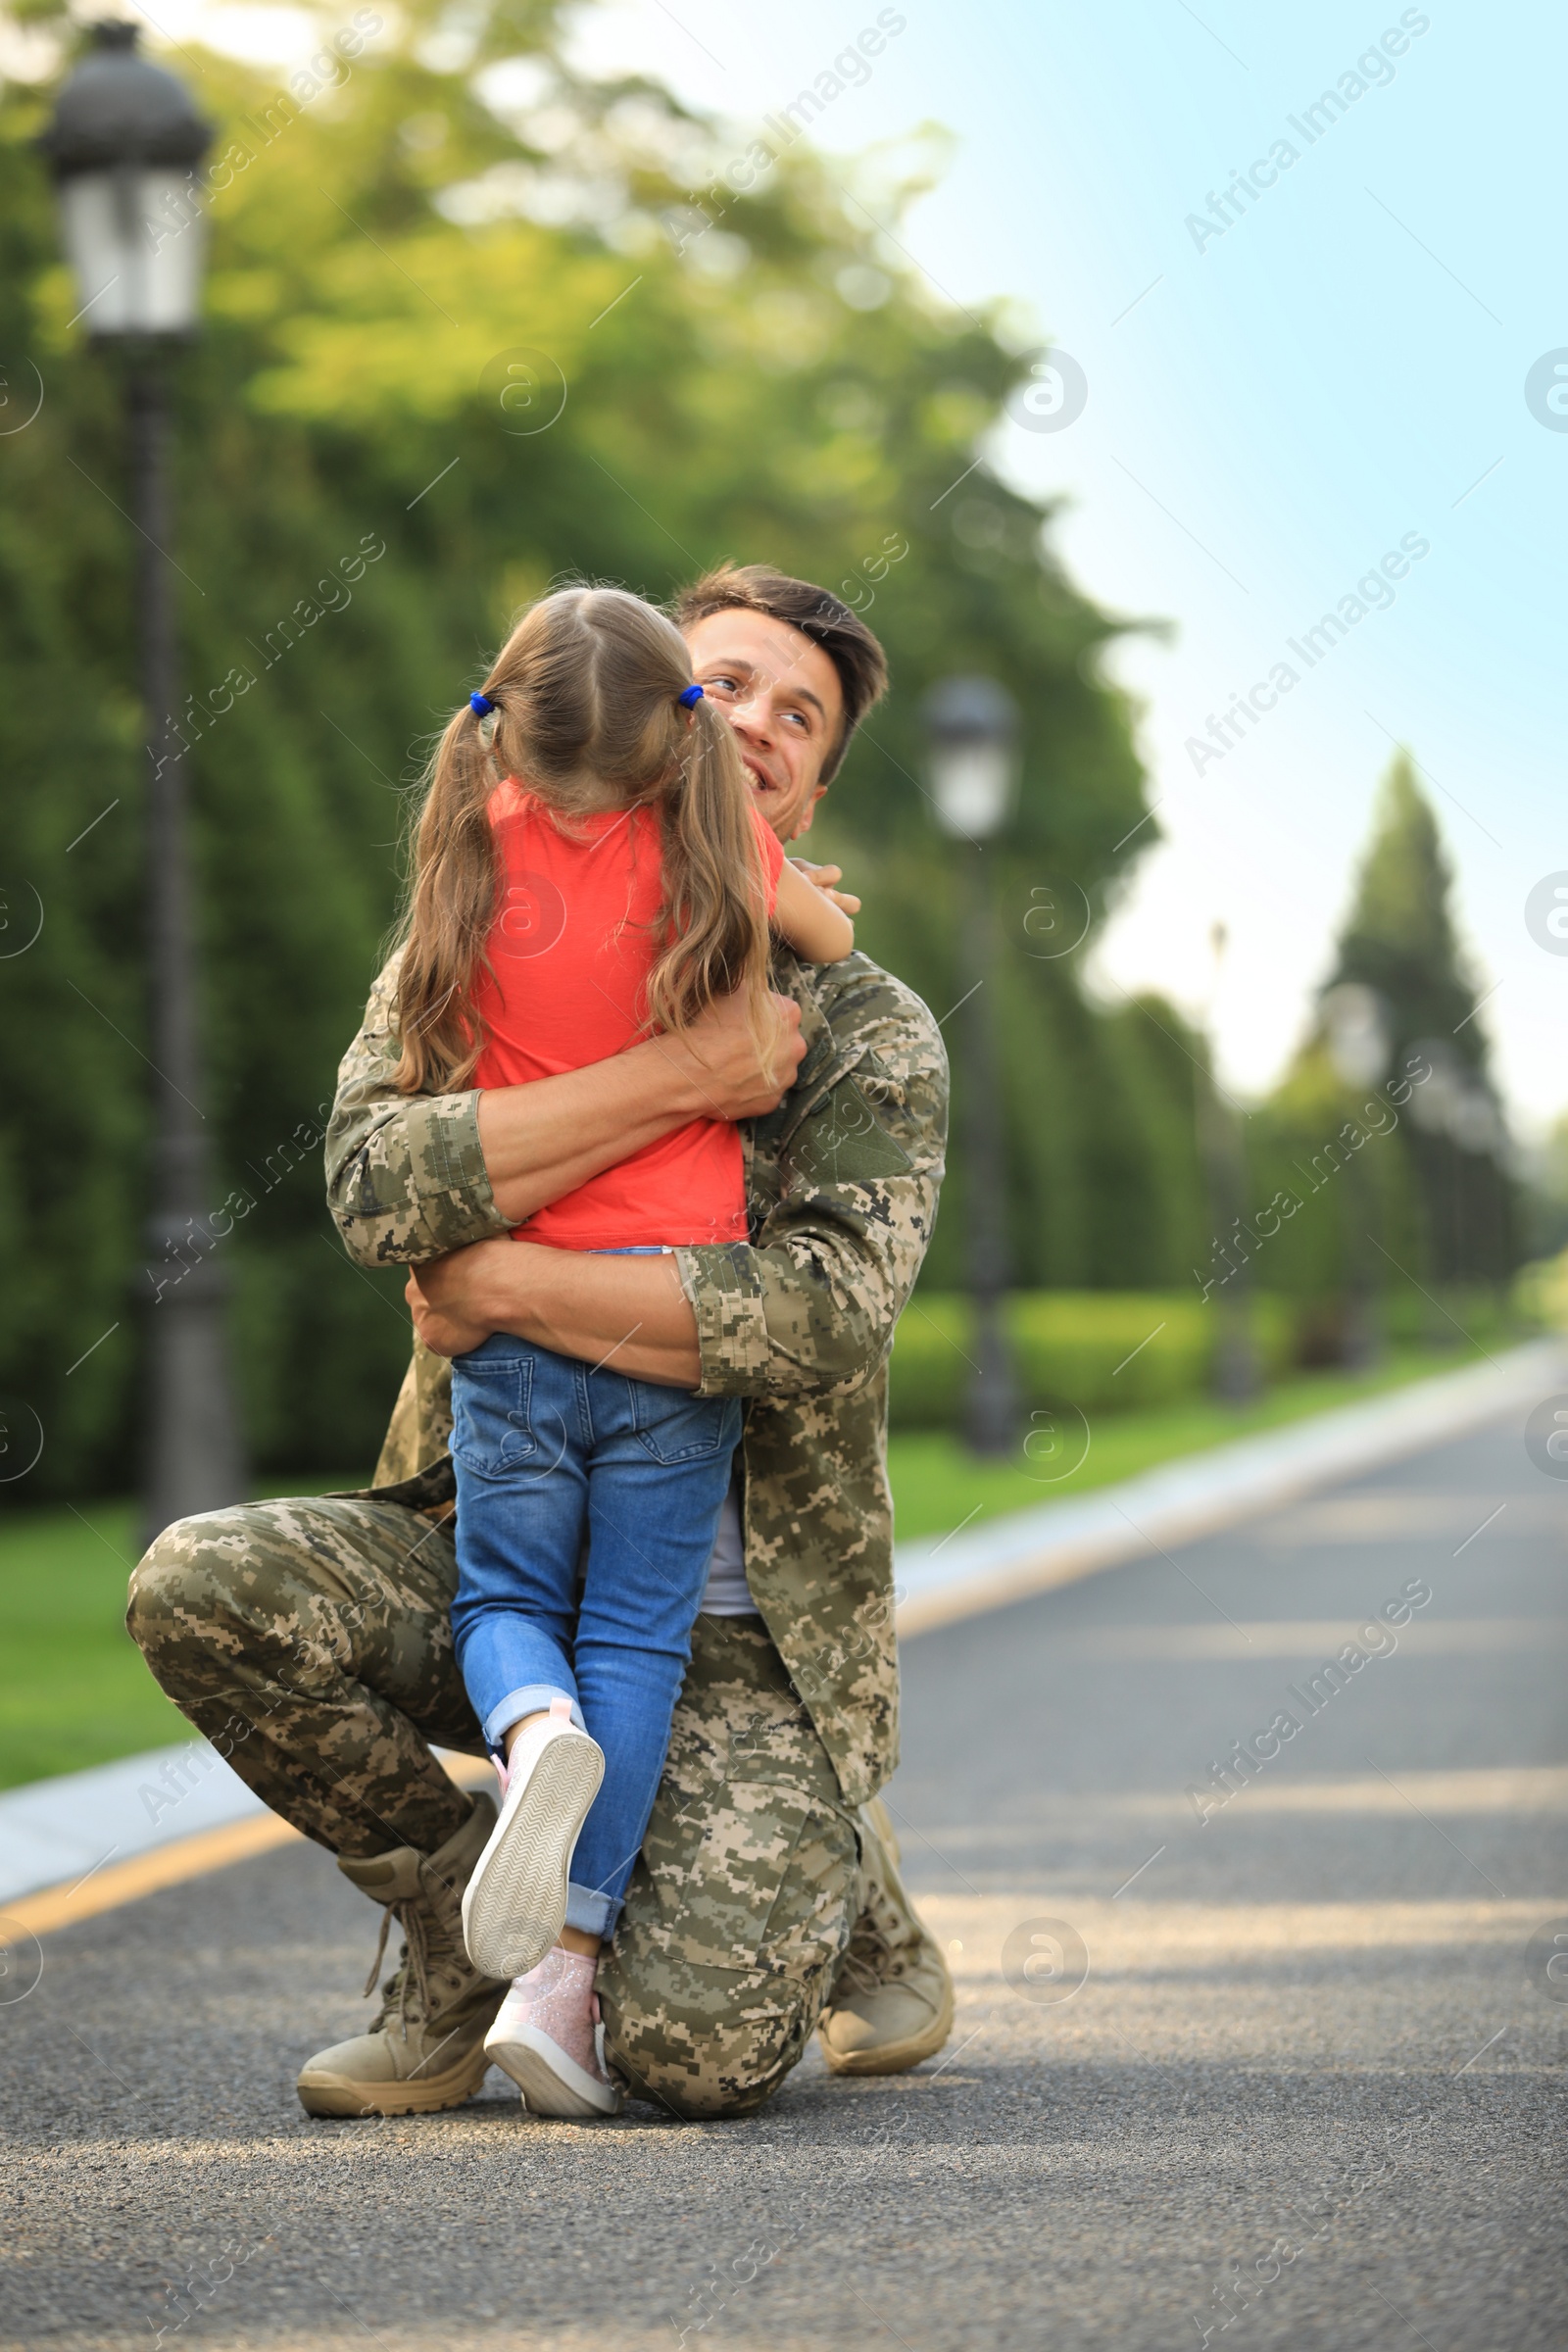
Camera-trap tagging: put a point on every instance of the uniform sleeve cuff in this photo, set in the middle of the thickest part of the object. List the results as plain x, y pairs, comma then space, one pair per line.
725, 1294
445, 1155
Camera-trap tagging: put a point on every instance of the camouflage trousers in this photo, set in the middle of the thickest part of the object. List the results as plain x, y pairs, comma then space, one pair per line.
310, 1641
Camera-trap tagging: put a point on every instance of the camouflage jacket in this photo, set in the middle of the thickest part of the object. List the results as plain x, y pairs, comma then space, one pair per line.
842, 1185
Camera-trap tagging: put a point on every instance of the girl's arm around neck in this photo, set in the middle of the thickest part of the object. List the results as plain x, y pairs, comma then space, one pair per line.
809, 920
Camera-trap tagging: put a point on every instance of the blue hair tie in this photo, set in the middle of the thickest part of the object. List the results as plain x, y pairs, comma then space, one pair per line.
692, 695
480, 705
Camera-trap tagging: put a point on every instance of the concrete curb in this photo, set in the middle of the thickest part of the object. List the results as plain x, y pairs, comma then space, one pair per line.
1030, 1551
72, 1827
79, 1831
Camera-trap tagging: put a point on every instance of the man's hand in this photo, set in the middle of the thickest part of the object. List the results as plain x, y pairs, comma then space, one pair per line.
451, 1299
719, 1059
824, 877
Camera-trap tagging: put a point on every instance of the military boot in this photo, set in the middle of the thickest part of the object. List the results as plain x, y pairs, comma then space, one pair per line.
891, 1999
424, 2049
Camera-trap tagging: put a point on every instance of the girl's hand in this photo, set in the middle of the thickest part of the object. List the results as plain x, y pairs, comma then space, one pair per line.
824, 877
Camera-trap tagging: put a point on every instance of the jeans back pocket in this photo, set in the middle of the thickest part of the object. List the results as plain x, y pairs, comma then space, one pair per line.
492, 1433
676, 1427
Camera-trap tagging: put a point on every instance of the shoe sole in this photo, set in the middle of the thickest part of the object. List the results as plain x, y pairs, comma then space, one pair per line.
894, 2057
515, 1902
549, 2080
428, 2095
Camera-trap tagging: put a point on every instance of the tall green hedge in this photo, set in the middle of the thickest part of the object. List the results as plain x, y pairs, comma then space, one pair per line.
1101, 1350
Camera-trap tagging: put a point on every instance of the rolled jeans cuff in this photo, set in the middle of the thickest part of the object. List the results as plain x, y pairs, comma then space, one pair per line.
532, 1699
594, 1913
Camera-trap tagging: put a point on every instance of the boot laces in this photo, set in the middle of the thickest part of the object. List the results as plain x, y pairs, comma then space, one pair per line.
430, 1949
872, 1958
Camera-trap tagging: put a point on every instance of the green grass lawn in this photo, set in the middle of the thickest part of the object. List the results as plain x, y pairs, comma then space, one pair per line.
74, 1689
73, 1686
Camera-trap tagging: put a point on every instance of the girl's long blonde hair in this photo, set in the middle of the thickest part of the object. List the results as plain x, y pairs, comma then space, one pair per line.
585, 687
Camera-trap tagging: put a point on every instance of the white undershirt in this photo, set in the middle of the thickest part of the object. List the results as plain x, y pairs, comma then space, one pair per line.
728, 1594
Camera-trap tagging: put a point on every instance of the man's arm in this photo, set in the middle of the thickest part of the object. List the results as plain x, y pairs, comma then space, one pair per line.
627, 1311
410, 1177
813, 1303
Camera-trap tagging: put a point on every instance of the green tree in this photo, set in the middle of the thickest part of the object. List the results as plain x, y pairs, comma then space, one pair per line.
1386, 1130
1546, 1200
1401, 941
713, 373
1399, 937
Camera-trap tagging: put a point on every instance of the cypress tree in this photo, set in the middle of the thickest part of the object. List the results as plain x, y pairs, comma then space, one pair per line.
1384, 1146
1400, 940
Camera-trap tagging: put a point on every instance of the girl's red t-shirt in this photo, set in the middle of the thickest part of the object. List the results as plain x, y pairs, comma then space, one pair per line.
569, 955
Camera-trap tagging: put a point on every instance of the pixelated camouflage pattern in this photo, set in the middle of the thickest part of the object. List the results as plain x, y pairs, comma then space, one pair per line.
310, 1641
419, 1431
404, 1175
842, 1184
745, 1893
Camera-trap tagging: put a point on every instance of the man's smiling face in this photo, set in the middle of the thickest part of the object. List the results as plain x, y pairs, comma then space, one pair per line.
781, 694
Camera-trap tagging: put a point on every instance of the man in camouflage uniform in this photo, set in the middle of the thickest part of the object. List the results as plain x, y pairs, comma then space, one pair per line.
310, 1639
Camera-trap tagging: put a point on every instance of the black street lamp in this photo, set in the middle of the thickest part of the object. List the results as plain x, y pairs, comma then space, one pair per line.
126, 146
1356, 1032
973, 728
1236, 1378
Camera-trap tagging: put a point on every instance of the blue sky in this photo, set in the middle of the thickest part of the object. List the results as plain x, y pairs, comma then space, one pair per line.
1342, 366
1271, 411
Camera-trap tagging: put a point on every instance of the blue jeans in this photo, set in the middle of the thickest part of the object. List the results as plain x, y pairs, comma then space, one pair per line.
547, 1451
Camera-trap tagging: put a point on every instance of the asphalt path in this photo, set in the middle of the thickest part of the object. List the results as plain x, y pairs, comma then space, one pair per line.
1280, 2069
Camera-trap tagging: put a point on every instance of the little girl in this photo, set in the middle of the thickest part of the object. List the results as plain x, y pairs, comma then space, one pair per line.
589, 865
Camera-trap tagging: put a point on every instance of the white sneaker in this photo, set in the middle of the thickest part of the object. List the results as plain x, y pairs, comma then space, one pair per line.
547, 2036
515, 1902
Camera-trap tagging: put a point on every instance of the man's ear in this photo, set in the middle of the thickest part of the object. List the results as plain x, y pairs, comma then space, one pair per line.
804, 825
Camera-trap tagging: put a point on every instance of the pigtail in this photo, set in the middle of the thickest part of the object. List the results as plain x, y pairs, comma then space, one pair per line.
450, 911
592, 685
716, 886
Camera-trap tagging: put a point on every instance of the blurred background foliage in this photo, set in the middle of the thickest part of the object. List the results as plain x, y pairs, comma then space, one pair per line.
774, 384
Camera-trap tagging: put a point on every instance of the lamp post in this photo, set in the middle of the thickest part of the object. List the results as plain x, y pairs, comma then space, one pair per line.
972, 725
1356, 1031
126, 146
1236, 1379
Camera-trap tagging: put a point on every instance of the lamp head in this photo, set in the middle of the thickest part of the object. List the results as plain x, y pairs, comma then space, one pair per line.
125, 145
973, 727
1358, 1033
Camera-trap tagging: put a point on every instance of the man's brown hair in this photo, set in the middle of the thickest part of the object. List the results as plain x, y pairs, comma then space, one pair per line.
856, 656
